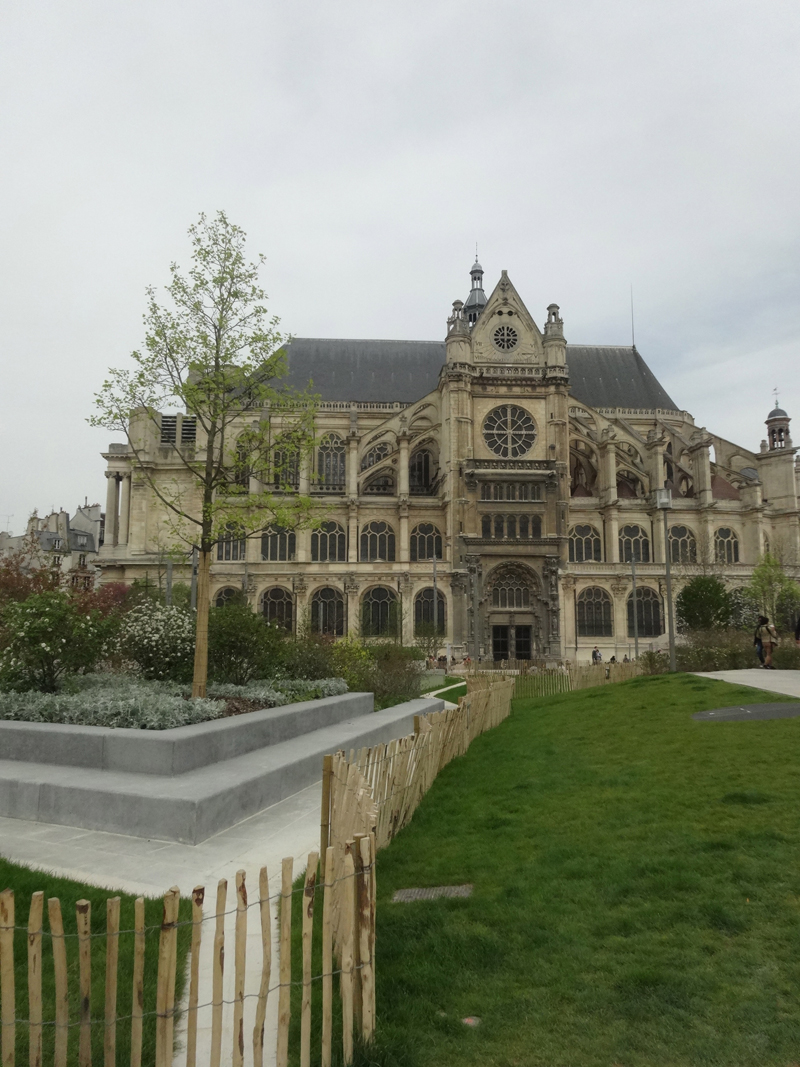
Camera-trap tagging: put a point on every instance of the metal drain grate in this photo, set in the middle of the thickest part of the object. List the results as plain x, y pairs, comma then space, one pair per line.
405, 896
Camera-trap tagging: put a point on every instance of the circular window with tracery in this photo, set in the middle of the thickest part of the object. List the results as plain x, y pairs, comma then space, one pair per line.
505, 338
509, 431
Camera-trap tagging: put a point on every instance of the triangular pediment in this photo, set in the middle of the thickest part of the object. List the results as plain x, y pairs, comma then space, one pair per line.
505, 331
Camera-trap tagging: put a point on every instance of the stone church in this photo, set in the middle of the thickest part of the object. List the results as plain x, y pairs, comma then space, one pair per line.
498, 484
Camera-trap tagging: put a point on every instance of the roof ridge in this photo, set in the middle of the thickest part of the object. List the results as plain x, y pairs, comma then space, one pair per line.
368, 340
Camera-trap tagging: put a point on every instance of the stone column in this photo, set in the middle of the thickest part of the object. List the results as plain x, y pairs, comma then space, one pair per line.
607, 475
304, 478
352, 465
405, 589
125, 509
300, 590
112, 509
569, 630
611, 527
351, 587
701, 467
303, 543
659, 547
352, 540
402, 475
404, 538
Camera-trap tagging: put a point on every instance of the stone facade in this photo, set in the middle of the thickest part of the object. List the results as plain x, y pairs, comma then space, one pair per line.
533, 489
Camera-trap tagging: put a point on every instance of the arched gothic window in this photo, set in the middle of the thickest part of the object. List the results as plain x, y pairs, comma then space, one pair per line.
381, 484
726, 545
329, 544
426, 541
510, 592
330, 462
238, 474
585, 545
423, 612
231, 546
278, 545
420, 472
648, 613
286, 468
682, 545
634, 544
277, 606
377, 543
327, 612
594, 613
375, 455
379, 613
226, 596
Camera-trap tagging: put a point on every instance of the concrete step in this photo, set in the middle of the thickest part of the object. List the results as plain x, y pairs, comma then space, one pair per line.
192, 806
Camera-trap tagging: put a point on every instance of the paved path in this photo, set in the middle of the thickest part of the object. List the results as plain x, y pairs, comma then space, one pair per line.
149, 867
785, 682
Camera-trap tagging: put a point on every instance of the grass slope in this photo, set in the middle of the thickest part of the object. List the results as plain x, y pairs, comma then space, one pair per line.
637, 890
25, 882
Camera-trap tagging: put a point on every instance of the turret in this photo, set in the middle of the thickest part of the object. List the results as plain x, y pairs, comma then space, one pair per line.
476, 301
778, 430
555, 346
459, 349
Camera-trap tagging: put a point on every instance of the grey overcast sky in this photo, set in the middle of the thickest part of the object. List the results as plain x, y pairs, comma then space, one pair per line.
365, 147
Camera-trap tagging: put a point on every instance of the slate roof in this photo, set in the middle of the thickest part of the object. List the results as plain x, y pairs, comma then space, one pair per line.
405, 371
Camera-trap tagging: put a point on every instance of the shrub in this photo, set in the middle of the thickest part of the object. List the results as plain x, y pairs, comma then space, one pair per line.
45, 637
138, 706
703, 604
241, 645
158, 640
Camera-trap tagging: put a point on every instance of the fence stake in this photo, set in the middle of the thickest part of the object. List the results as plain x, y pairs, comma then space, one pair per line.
308, 932
240, 950
327, 961
162, 983
353, 847
325, 815
112, 961
346, 986
198, 895
218, 974
285, 993
8, 1005
137, 995
172, 943
266, 967
60, 976
363, 888
83, 916
35, 980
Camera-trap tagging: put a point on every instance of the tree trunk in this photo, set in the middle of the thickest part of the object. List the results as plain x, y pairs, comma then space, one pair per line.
200, 677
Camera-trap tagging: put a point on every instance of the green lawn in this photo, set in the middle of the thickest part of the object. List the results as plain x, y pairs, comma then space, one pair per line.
25, 882
637, 890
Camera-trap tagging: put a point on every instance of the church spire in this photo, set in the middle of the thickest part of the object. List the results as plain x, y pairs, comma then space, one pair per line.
476, 301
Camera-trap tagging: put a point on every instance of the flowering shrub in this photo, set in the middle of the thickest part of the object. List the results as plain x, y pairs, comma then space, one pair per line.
158, 639
45, 637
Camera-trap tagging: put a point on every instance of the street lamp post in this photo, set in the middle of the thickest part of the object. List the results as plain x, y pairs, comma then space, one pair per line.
664, 504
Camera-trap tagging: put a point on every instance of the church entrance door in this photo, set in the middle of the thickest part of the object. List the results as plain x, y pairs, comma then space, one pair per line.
511, 642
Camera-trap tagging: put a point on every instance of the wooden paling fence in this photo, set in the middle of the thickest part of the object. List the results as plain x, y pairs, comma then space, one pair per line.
377, 790
545, 683
367, 798
350, 895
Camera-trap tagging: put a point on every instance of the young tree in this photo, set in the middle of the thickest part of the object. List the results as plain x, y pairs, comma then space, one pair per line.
776, 594
215, 354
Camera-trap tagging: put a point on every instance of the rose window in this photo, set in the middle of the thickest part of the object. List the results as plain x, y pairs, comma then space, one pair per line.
505, 338
509, 431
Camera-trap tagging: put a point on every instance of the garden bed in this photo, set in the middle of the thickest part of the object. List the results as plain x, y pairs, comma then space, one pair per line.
122, 702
